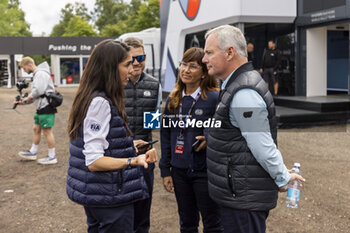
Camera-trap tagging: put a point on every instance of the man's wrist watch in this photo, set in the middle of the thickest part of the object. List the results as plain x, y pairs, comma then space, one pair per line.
128, 163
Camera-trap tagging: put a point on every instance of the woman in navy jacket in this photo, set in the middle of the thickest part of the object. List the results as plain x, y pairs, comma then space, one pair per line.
183, 164
104, 170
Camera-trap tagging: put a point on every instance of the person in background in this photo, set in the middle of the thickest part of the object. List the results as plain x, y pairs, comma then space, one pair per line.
44, 117
270, 63
251, 55
143, 94
183, 165
245, 168
104, 172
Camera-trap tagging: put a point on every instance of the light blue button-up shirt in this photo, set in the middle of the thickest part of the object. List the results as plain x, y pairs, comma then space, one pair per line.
248, 112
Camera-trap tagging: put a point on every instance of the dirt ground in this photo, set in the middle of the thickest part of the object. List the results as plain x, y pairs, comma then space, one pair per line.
33, 197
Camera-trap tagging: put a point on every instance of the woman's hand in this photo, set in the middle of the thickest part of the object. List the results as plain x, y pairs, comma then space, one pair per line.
137, 143
168, 184
151, 156
202, 145
139, 161
140, 142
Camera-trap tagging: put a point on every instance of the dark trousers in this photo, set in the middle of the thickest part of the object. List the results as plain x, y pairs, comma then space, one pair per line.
142, 208
269, 75
191, 192
243, 221
110, 220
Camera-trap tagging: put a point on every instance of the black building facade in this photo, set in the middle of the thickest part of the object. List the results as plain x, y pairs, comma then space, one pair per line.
322, 47
69, 56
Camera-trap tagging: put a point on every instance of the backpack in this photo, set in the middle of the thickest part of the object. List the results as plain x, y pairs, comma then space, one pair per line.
55, 99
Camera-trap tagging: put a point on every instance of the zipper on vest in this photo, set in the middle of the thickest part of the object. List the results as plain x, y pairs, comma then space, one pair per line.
230, 177
120, 180
135, 109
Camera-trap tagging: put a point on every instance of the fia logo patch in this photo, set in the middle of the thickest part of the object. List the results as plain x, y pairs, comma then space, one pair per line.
198, 112
151, 120
95, 127
147, 93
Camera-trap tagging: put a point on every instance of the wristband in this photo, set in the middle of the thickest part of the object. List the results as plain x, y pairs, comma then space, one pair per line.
128, 163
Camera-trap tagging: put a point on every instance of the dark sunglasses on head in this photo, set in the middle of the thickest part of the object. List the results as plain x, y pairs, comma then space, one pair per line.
139, 58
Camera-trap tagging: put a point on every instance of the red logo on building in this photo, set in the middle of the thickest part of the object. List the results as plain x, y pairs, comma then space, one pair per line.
190, 8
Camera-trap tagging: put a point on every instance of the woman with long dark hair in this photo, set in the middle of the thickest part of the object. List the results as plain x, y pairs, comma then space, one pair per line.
183, 161
104, 170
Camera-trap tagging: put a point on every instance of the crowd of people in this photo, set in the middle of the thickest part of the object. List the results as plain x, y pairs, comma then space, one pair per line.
228, 175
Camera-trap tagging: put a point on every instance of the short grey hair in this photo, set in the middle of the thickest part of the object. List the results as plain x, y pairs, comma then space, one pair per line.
230, 36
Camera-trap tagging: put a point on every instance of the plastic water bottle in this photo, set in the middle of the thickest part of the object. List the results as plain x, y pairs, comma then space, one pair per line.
293, 193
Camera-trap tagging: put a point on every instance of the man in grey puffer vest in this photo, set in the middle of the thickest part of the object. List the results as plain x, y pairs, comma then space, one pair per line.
245, 168
142, 94
44, 118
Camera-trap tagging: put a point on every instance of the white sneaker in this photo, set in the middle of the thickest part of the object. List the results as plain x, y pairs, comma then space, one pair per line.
27, 155
48, 160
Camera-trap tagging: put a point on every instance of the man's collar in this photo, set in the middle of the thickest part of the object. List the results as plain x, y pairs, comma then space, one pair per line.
223, 85
243, 68
139, 79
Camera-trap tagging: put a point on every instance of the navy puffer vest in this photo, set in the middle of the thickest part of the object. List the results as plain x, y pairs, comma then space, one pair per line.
139, 98
108, 188
236, 180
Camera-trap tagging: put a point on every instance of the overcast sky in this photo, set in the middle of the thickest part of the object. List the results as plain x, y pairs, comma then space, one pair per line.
42, 15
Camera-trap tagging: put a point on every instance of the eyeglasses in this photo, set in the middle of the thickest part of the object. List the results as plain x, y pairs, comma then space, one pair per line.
139, 58
193, 67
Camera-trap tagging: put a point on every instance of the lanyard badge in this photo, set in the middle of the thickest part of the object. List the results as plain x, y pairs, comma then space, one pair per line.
180, 141
179, 149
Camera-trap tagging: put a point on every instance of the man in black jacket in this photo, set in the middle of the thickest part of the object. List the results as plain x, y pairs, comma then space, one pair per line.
269, 66
251, 55
245, 168
143, 94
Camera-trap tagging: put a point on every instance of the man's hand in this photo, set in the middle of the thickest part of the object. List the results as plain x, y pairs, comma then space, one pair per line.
19, 102
293, 176
168, 184
27, 100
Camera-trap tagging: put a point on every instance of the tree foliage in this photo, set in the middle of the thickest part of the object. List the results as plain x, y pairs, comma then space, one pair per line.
148, 15
77, 26
69, 13
110, 12
12, 21
110, 18
136, 16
